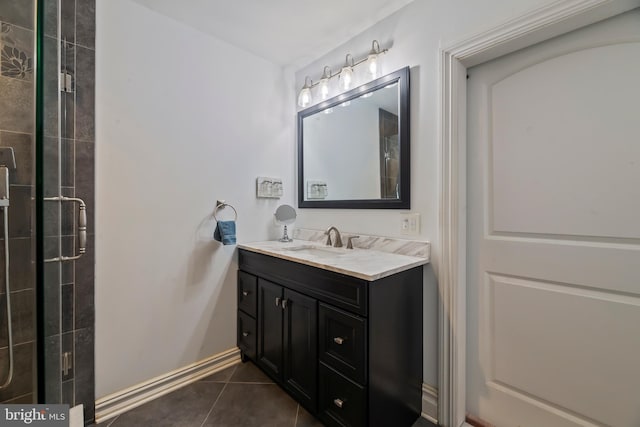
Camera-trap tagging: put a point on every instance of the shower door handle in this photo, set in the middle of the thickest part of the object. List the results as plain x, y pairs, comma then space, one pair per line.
82, 227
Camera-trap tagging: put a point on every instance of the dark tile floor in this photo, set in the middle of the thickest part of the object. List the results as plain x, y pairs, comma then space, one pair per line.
240, 396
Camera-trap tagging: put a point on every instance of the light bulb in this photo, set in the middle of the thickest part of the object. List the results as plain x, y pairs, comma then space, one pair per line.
304, 97
372, 59
346, 77
372, 63
324, 83
324, 88
346, 74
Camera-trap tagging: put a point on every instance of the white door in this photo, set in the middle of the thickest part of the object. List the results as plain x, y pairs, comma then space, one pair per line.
553, 269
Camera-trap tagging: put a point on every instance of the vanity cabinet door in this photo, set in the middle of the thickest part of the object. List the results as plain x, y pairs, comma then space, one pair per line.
301, 347
270, 317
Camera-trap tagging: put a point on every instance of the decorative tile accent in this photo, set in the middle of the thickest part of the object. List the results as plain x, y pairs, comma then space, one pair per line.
414, 248
16, 64
16, 55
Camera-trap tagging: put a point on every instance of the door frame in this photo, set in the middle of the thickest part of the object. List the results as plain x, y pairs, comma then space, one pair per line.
546, 22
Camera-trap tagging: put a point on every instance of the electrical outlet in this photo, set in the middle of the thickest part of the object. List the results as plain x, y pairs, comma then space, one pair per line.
410, 224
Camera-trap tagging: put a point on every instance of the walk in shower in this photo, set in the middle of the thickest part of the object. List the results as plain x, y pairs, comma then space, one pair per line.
47, 79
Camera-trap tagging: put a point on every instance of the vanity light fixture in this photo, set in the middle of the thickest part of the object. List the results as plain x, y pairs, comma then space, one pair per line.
324, 83
372, 59
305, 98
345, 75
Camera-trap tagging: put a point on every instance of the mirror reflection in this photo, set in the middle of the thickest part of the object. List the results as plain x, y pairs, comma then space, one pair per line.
354, 148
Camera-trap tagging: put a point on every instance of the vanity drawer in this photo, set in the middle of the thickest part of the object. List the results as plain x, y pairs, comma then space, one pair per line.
343, 342
342, 402
247, 292
247, 335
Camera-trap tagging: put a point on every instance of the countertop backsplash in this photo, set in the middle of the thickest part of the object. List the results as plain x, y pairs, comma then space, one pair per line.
392, 245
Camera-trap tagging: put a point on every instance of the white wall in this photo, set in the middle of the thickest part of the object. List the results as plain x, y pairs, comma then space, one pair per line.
416, 33
183, 119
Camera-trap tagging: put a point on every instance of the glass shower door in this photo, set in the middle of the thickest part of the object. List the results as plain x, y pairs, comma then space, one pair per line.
67, 146
18, 347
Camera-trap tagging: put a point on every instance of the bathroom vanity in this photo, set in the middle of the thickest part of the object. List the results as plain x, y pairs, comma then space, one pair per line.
339, 329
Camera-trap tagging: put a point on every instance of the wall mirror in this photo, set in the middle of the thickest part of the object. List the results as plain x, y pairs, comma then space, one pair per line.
353, 150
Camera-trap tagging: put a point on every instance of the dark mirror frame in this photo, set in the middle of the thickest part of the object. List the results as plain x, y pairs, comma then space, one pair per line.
404, 202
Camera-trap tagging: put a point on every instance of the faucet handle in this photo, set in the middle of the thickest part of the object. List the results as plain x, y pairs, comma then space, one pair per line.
350, 241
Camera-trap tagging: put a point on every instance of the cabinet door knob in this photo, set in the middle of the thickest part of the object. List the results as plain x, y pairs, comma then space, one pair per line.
338, 402
245, 334
245, 293
277, 301
285, 302
338, 340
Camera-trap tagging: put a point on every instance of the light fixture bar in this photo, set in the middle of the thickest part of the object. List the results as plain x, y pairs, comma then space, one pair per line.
355, 64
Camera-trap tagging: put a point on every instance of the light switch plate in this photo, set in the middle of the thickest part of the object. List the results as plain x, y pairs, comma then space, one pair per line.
410, 224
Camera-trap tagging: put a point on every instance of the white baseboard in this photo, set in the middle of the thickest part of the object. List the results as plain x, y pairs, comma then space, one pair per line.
115, 404
430, 403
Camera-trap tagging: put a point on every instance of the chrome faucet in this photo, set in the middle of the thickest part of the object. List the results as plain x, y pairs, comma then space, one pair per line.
338, 243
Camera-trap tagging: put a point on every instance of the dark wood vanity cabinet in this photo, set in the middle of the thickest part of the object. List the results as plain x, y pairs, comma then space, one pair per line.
287, 339
349, 350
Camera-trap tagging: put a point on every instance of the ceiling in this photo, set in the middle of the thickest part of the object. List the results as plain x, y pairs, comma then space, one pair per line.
286, 32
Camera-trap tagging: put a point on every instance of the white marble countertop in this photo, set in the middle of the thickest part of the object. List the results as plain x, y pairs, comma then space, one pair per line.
367, 264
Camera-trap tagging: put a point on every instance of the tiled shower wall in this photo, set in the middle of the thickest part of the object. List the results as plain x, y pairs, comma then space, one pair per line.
17, 131
68, 163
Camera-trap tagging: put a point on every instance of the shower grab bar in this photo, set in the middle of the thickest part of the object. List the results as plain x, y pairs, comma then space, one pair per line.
82, 227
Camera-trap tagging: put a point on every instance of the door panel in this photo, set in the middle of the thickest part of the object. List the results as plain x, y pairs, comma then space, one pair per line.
301, 347
553, 237
569, 133
270, 316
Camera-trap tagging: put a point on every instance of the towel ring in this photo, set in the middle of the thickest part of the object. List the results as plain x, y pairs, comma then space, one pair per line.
221, 205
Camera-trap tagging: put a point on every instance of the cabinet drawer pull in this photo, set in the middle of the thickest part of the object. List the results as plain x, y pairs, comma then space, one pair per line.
338, 340
277, 301
245, 293
245, 334
338, 402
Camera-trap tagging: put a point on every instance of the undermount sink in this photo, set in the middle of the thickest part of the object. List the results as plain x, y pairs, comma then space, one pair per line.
319, 251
